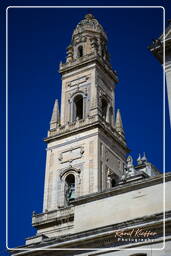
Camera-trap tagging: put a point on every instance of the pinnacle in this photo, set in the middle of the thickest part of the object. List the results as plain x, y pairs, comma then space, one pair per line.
118, 124
55, 115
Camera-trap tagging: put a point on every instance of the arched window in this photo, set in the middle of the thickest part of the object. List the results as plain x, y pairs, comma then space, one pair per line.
80, 51
104, 108
78, 107
70, 188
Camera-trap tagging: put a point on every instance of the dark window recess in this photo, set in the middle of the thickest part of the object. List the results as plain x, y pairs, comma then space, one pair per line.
80, 51
111, 115
70, 187
104, 108
113, 183
78, 107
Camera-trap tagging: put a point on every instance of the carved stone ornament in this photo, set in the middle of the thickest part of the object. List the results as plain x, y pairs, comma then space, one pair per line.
109, 172
68, 170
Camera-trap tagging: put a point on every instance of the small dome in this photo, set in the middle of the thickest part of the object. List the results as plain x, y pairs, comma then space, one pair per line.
89, 23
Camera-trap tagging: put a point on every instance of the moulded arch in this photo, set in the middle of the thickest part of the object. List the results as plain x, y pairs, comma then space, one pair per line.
68, 171
78, 105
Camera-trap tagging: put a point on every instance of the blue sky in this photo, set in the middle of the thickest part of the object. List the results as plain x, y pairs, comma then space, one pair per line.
37, 43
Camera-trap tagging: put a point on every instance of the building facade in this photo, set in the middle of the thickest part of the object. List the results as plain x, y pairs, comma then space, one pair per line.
94, 197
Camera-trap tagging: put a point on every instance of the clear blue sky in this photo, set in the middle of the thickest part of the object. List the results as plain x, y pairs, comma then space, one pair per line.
37, 43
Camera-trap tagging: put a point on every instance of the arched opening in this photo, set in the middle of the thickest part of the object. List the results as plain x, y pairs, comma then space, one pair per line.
114, 180
78, 107
111, 115
70, 188
103, 53
80, 51
113, 183
104, 108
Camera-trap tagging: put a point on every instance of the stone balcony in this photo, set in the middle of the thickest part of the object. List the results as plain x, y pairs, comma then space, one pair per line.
71, 126
51, 223
58, 216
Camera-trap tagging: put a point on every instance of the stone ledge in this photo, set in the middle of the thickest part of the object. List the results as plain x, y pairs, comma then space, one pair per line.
69, 129
93, 57
99, 238
123, 188
59, 216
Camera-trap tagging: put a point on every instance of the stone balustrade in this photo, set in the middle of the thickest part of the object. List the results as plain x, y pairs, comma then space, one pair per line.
60, 214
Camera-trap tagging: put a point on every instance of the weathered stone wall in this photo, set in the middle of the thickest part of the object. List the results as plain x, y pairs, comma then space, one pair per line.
122, 207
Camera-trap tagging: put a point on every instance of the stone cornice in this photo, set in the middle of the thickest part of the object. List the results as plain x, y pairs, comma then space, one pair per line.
123, 188
84, 61
104, 237
84, 125
67, 214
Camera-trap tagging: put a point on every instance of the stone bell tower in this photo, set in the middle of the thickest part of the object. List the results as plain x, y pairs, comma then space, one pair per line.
86, 147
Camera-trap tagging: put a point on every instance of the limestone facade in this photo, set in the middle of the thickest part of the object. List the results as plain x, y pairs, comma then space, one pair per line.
92, 189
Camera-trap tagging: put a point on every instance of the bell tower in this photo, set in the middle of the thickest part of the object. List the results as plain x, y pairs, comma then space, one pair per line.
86, 147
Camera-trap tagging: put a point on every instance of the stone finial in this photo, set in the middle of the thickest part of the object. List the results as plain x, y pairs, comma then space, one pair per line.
118, 124
60, 64
55, 120
139, 160
144, 158
69, 53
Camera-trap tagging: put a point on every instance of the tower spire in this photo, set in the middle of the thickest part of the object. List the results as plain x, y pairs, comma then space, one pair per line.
118, 124
55, 119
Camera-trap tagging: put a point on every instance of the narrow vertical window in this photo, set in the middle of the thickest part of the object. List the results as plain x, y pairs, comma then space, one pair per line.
111, 115
104, 108
80, 51
78, 107
113, 183
70, 188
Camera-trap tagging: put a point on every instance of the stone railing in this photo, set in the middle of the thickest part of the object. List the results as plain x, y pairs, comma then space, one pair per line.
84, 59
72, 126
41, 218
77, 61
77, 125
